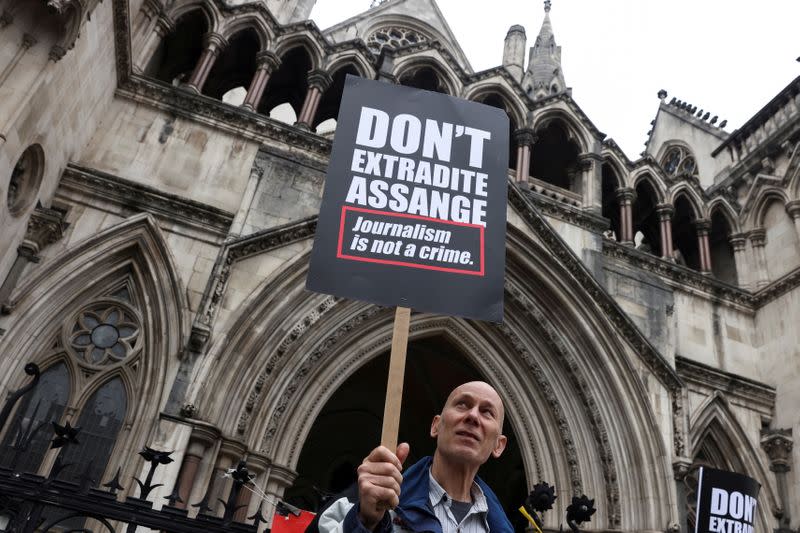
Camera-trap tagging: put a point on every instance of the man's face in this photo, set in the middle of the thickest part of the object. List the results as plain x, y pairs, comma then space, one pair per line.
469, 428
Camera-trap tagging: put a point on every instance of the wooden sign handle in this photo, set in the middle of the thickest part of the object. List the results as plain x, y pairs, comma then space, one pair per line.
394, 387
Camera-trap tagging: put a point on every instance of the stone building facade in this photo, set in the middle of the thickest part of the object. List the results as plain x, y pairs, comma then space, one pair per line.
163, 163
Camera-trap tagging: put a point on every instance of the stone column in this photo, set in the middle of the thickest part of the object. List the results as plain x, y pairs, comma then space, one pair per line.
259, 465
758, 239
27, 42
318, 83
267, 62
591, 181
279, 478
625, 196
164, 26
525, 138
45, 227
778, 445
201, 440
665, 212
738, 242
703, 226
230, 453
793, 208
213, 43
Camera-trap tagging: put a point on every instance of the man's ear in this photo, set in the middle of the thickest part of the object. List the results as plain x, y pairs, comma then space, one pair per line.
435, 426
499, 446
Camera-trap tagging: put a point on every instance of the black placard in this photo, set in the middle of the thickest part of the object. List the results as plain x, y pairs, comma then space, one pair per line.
414, 208
726, 502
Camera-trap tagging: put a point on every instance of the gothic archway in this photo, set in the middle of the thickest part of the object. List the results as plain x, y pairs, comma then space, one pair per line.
330, 455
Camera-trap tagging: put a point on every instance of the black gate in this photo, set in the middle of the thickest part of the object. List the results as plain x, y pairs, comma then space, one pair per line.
30, 502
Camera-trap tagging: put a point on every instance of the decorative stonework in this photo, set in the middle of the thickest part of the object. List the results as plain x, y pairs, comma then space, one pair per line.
142, 198
243, 248
778, 444
546, 388
312, 360
747, 390
562, 253
567, 213
45, 227
556, 342
393, 37
26, 177
294, 334
679, 276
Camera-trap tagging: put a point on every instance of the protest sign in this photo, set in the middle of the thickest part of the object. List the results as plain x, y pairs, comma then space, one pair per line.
414, 209
726, 502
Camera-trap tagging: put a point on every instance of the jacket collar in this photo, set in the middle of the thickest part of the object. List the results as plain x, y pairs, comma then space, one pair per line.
415, 504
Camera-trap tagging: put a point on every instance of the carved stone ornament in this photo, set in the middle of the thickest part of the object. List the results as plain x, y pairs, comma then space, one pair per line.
189, 410
778, 444
45, 227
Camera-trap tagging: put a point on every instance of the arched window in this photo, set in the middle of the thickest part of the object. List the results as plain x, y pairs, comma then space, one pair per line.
610, 208
645, 218
96, 346
495, 100
100, 420
178, 53
26, 442
235, 66
424, 78
684, 234
679, 161
554, 158
329, 103
723, 264
288, 85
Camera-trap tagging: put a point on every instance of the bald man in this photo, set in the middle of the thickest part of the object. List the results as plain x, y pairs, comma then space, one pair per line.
442, 493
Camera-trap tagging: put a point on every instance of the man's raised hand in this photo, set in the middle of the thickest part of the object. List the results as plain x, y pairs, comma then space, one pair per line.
379, 480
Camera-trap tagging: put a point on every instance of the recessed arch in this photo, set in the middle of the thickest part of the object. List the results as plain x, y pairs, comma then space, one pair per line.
332, 97
555, 156
714, 421
694, 200
684, 231
135, 253
324, 340
235, 66
252, 22
179, 51
646, 176
285, 44
289, 83
645, 215
611, 183
354, 59
481, 91
723, 264
425, 73
766, 196
575, 130
210, 14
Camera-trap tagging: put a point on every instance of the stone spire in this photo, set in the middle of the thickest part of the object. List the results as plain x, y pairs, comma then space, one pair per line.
544, 76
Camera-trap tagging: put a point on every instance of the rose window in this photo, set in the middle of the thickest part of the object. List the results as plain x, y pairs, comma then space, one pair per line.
105, 335
393, 37
679, 161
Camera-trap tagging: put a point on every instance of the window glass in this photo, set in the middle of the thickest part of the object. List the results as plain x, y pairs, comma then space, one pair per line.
100, 421
31, 430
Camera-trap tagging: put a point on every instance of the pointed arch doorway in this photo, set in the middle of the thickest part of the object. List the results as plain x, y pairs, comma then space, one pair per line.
349, 426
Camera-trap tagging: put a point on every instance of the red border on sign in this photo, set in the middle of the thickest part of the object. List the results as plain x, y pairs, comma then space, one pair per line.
342, 255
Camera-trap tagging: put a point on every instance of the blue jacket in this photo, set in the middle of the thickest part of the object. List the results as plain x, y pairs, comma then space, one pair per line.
414, 512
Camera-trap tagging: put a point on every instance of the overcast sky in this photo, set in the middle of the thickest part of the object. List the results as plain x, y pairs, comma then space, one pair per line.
728, 57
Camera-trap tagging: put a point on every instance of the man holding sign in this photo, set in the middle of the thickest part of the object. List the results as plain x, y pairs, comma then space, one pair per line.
441, 494
414, 215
